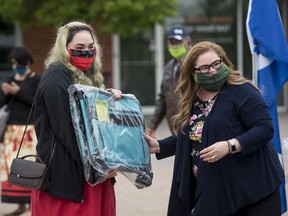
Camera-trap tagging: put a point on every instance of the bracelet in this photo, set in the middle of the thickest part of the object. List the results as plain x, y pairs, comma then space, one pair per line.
228, 143
232, 146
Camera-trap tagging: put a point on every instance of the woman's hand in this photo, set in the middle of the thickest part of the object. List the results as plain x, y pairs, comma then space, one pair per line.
117, 93
150, 132
215, 152
153, 144
8, 88
112, 173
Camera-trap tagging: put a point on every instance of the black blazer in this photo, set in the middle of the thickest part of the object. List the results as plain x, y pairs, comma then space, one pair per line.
236, 180
52, 117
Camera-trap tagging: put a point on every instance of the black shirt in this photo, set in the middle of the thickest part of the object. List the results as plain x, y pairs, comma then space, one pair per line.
20, 104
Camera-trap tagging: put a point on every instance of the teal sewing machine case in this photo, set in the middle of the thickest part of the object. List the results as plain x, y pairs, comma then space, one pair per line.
109, 133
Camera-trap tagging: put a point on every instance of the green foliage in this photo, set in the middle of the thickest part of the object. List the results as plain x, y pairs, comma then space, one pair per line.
126, 17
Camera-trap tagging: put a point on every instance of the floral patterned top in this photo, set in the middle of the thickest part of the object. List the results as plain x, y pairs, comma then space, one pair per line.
200, 111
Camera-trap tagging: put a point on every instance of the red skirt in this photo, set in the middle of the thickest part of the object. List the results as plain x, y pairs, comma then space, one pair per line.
99, 201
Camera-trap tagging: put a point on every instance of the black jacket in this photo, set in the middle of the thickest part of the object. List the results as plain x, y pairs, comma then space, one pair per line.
235, 180
53, 118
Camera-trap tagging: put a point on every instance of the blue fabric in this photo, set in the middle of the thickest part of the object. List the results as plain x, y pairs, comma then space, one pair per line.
268, 42
263, 21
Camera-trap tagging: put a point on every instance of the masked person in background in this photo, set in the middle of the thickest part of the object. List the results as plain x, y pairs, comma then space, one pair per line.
225, 162
166, 104
19, 91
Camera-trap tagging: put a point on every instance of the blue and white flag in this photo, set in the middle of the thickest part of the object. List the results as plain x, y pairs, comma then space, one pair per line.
268, 43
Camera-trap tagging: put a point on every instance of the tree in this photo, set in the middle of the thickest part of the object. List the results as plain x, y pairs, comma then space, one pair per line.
126, 17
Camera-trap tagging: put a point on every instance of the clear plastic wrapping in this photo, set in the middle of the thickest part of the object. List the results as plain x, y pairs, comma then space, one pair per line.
109, 133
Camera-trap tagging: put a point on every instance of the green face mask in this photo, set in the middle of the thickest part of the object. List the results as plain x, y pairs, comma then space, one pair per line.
177, 51
213, 82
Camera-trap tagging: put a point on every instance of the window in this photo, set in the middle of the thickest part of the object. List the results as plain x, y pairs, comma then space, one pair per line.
7, 41
138, 67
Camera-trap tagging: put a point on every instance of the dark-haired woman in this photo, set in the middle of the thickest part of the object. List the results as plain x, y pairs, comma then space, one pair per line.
18, 92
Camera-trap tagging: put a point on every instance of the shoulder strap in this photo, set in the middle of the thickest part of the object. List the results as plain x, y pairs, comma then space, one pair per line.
27, 122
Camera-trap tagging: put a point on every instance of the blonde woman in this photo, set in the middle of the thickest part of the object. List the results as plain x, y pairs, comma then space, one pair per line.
74, 58
225, 163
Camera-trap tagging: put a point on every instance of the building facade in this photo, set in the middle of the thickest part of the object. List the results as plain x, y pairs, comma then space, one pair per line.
135, 64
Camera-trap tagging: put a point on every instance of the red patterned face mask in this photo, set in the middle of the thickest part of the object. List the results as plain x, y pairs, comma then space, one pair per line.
82, 59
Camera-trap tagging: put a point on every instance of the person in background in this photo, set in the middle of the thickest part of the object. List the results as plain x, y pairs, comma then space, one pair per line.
179, 43
75, 58
19, 91
225, 163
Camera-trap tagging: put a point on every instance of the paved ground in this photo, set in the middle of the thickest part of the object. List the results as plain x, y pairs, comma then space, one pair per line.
137, 202
153, 200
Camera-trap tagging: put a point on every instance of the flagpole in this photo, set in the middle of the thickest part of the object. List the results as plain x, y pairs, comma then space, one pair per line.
254, 70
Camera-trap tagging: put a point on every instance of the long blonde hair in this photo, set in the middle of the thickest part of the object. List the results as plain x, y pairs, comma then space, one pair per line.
187, 89
59, 54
